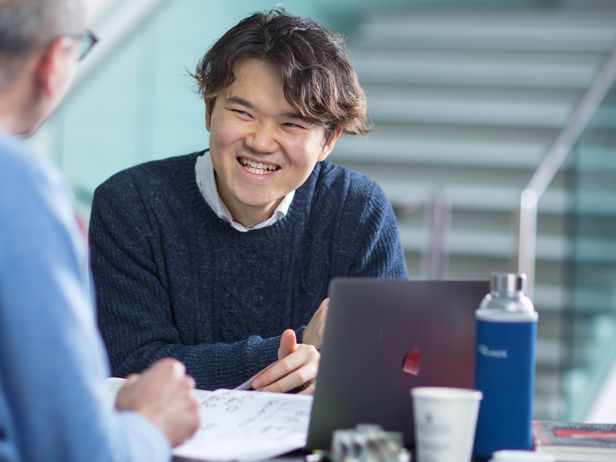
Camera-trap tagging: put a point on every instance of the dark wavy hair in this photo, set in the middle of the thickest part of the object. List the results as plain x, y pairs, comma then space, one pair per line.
318, 78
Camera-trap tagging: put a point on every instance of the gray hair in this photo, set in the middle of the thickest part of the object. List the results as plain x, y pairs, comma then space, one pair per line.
29, 25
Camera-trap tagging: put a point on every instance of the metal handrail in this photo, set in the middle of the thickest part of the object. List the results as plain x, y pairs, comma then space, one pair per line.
438, 214
551, 164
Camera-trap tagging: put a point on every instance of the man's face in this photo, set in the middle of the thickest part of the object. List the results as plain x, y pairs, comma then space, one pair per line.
261, 148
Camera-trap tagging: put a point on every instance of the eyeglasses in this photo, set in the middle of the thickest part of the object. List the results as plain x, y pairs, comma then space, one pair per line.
87, 40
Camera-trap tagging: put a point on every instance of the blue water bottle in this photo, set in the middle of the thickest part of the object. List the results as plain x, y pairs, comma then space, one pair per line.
505, 366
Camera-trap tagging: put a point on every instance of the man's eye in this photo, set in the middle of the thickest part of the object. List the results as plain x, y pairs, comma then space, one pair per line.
240, 113
293, 125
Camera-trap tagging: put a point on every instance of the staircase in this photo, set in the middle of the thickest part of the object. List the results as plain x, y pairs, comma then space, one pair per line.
465, 104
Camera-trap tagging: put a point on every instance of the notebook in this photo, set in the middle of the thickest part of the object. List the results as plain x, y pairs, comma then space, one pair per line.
384, 337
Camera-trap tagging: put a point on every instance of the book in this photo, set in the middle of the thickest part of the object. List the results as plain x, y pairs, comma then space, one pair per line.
242, 425
576, 442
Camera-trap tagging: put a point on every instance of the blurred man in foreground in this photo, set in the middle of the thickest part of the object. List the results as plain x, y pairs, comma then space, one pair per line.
52, 362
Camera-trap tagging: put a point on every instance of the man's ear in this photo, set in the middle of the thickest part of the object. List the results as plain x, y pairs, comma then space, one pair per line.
330, 142
49, 71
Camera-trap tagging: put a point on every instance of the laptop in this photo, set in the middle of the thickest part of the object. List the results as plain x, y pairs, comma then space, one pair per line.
384, 337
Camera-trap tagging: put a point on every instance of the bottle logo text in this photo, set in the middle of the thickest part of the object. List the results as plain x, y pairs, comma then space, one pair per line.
484, 350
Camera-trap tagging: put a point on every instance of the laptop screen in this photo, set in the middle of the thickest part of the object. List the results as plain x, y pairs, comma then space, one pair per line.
384, 337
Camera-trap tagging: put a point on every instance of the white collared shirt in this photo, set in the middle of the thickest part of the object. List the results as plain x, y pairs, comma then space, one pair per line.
206, 182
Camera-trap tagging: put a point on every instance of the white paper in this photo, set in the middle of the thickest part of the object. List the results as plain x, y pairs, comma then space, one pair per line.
244, 425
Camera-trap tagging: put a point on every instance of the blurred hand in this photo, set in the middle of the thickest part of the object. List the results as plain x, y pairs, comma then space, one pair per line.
163, 395
296, 367
313, 334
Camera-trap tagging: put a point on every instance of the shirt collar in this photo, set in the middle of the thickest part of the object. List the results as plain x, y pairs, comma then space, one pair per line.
204, 171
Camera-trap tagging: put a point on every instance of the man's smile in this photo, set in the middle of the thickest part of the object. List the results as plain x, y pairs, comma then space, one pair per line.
258, 168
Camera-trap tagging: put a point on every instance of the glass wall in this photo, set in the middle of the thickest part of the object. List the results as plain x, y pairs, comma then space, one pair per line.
590, 317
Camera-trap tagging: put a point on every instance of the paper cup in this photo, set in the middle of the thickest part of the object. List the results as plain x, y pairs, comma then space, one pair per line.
445, 420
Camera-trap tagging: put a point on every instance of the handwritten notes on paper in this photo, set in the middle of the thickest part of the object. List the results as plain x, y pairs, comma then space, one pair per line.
246, 425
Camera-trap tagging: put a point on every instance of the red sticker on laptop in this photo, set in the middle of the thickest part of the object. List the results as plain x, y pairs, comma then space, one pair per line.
411, 362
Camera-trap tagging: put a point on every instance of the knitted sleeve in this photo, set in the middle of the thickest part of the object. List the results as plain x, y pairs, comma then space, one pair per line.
135, 311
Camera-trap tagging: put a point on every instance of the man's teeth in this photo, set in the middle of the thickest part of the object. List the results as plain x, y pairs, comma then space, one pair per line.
258, 167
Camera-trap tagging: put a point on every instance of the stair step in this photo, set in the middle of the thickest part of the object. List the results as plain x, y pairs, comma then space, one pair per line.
490, 198
596, 203
489, 31
604, 118
477, 69
479, 243
549, 352
445, 151
491, 133
504, 148
460, 108
498, 245
595, 158
548, 406
551, 299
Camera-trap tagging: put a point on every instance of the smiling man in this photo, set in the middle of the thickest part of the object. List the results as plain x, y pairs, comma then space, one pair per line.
222, 258
261, 147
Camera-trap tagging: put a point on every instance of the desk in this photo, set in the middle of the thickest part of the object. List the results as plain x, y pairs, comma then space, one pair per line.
296, 456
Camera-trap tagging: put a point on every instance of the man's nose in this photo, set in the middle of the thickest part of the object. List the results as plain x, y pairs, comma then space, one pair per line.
263, 138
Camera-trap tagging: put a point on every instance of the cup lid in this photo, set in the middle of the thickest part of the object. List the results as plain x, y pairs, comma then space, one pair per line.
510, 455
446, 393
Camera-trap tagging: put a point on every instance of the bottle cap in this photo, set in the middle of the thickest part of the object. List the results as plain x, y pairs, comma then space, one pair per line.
508, 282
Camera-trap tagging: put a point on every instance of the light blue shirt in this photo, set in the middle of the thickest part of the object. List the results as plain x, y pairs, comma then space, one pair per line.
52, 361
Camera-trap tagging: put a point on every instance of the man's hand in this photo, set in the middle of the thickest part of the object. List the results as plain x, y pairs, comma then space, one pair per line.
313, 334
163, 395
296, 367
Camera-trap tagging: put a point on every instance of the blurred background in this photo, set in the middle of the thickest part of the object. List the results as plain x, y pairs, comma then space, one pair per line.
495, 140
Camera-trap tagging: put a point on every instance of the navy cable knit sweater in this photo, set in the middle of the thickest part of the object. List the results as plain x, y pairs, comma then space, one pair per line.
172, 279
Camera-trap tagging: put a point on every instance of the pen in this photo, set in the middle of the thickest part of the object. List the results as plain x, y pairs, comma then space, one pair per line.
247, 384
